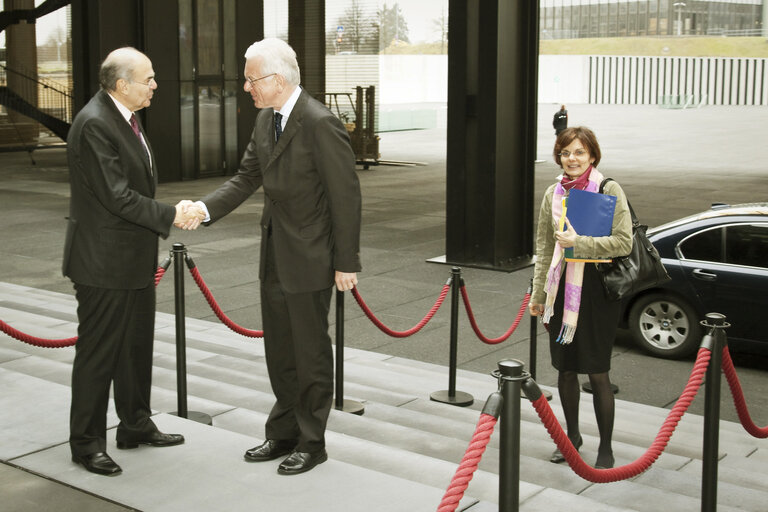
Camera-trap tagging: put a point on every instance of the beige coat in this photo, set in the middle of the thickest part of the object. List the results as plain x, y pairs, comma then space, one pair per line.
619, 243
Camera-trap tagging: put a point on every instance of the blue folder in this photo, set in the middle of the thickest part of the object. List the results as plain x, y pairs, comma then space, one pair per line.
590, 214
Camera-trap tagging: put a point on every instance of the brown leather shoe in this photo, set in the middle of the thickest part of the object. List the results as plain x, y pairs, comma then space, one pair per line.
99, 463
300, 462
270, 449
156, 438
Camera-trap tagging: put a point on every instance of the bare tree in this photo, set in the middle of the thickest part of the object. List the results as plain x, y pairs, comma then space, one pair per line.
358, 32
440, 27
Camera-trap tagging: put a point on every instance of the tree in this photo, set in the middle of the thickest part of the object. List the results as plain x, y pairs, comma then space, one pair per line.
440, 26
359, 33
392, 26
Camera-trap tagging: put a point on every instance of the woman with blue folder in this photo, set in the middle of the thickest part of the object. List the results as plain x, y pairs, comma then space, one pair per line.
568, 292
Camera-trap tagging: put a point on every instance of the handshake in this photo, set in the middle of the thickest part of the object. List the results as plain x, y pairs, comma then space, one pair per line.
189, 215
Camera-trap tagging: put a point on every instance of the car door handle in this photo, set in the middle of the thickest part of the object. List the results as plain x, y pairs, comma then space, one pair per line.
704, 276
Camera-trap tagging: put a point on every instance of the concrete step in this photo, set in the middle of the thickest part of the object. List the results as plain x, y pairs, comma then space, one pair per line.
403, 435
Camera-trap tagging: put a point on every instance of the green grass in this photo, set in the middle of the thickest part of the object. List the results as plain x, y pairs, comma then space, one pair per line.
756, 47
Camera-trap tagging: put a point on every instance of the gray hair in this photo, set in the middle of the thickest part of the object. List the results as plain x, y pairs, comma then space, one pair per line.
120, 63
276, 57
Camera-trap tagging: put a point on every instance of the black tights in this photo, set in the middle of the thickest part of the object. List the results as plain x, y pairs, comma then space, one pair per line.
603, 401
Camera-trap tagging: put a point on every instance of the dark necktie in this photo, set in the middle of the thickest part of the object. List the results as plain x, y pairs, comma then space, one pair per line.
278, 125
135, 128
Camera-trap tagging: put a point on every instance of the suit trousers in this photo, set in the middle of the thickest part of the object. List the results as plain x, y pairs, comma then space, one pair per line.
115, 338
299, 359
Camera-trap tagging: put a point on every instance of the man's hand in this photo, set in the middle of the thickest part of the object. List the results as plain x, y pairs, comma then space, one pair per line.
188, 215
345, 280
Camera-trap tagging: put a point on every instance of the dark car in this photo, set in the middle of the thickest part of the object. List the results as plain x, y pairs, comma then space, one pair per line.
718, 262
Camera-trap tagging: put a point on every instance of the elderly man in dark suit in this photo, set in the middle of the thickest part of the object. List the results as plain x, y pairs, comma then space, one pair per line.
310, 228
110, 254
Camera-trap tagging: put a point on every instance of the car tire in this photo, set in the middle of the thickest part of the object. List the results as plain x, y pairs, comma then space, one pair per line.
665, 326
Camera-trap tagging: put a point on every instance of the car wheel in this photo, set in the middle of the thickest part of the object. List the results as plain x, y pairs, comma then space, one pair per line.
665, 326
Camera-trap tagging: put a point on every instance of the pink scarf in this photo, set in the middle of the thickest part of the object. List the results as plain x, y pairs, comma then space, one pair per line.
574, 271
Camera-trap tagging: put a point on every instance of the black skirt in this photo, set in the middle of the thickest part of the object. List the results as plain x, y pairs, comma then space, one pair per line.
591, 348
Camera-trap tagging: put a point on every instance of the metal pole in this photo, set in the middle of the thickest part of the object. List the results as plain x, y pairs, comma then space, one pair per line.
451, 396
511, 374
454, 335
533, 341
716, 322
180, 257
533, 345
341, 404
179, 252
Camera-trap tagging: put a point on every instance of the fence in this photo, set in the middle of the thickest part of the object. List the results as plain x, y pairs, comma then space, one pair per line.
666, 80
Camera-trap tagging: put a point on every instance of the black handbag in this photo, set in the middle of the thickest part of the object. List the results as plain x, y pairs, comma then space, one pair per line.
639, 270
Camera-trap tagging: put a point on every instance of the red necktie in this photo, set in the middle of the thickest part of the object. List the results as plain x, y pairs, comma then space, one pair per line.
135, 126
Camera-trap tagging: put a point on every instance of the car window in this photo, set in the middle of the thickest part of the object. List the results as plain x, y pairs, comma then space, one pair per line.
705, 246
747, 244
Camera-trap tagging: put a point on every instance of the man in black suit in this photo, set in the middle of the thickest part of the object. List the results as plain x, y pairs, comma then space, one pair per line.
110, 255
310, 228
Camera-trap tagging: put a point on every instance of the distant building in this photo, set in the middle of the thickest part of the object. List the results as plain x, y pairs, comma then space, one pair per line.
573, 19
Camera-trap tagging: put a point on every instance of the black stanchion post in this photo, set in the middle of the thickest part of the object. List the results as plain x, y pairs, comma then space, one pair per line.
511, 373
717, 324
533, 345
179, 255
451, 396
341, 404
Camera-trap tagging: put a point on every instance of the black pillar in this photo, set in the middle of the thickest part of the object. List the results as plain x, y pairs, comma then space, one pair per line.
97, 29
162, 118
250, 28
492, 96
306, 35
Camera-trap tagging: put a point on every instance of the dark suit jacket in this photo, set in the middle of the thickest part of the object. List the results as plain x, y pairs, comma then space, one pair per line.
113, 221
312, 195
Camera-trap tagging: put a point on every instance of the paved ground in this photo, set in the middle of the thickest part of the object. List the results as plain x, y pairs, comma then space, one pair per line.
670, 162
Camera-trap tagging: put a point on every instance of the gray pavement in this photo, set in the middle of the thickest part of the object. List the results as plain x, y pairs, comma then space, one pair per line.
670, 162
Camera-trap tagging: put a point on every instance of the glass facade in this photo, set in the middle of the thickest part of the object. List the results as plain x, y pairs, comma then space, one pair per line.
572, 19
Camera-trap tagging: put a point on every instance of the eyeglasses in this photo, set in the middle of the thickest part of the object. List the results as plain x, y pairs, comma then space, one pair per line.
149, 82
578, 153
253, 81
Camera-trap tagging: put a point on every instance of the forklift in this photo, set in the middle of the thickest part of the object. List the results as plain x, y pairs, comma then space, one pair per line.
359, 119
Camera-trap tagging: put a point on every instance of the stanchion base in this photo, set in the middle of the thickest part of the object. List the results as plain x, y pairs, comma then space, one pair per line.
351, 406
199, 417
544, 392
588, 387
461, 398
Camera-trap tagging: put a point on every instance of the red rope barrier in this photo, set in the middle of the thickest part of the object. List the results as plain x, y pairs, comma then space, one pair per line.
738, 398
159, 275
412, 330
35, 341
643, 462
468, 465
217, 310
55, 343
473, 322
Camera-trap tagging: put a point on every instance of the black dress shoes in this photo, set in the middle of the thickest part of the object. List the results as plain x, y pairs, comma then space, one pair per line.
270, 449
300, 462
156, 438
99, 463
558, 457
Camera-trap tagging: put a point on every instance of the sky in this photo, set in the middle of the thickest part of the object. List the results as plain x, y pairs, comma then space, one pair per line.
418, 14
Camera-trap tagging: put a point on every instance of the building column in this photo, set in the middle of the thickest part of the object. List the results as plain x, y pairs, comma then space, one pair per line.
21, 59
492, 105
306, 35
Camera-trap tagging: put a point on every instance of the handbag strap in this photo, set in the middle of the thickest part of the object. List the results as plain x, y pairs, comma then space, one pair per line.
631, 211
